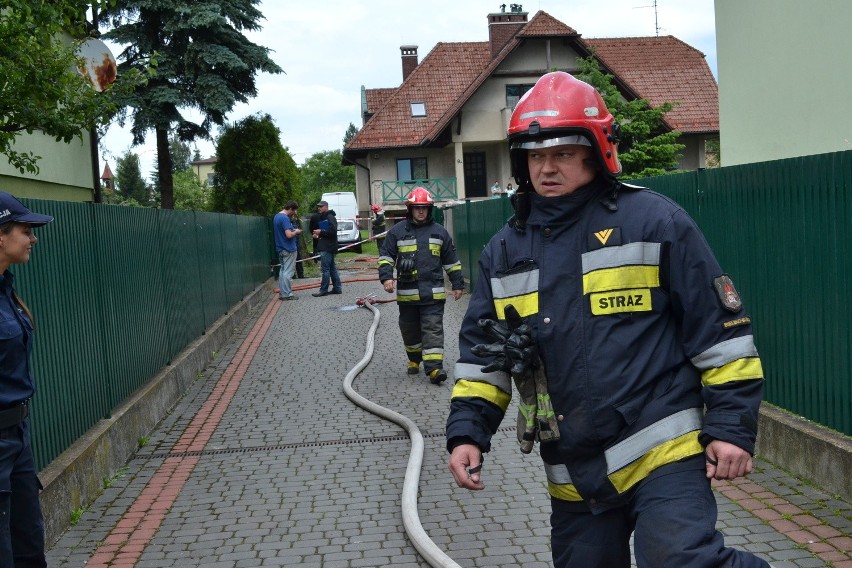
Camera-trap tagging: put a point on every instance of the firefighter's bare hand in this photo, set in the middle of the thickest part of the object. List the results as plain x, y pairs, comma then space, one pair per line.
388, 284
466, 464
457, 294
726, 461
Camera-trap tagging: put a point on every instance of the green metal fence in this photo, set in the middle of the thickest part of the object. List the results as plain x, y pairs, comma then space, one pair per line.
782, 230
117, 292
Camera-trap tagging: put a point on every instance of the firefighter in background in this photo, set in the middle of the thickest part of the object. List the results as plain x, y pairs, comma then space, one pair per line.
421, 250
379, 225
651, 381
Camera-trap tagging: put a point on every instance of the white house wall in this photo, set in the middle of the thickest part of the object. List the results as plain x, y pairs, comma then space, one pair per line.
785, 75
65, 170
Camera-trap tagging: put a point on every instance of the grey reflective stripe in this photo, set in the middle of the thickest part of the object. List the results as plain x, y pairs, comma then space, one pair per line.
575, 139
436, 241
723, 353
624, 255
434, 351
439, 290
515, 284
387, 259
645, 440
409, 292
626, 452
557, 474
471, 372
406, 243
447, 267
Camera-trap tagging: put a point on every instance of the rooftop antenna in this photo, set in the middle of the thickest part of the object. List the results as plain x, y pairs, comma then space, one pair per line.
656, 22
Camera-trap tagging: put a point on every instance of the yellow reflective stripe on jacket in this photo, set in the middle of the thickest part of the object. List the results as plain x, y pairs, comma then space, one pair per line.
634, 265
411, 295
630, 461
731, 360
739, 370
385, 260
520, 290
620, 278
485, 391
452, 267
670, 452
435, 249
406, 245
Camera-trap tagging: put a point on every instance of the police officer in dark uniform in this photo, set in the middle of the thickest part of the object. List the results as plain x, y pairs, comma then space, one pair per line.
610, 294
21, 520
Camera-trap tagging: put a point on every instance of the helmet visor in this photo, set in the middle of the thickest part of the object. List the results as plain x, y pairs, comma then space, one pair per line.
576, 139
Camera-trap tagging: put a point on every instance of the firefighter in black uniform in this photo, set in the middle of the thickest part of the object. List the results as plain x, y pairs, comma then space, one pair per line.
630, 347
421, 250
379, 225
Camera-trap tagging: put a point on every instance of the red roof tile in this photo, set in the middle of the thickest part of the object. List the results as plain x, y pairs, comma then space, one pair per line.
665, 69
659, 69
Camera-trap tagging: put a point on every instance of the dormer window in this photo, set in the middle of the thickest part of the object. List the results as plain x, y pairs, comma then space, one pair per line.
418, 109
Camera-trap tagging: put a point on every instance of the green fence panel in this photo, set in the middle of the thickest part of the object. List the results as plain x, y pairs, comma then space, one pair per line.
116, 293
781, 229
183, 293
62, 286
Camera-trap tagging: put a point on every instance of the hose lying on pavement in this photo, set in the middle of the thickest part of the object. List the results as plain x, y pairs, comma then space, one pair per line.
424, 545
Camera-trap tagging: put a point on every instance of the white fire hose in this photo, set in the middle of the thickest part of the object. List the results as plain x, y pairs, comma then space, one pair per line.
410, 519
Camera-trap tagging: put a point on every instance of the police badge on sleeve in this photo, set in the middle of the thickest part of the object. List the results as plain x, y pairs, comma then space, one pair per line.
727, 293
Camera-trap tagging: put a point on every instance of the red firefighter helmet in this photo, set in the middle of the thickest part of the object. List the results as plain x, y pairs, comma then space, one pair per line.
375, 208
559, 110
419, 196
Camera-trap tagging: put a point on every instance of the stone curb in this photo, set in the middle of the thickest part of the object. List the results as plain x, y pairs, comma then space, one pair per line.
806, 449
76, 477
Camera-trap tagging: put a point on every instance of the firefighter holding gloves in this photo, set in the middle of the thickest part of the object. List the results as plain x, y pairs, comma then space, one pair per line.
421, 250
630, 348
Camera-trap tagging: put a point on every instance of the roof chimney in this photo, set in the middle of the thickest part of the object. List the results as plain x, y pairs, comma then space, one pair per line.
503, 26
409, 60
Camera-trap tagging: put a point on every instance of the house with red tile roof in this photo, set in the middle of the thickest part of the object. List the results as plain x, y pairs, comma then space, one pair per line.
445, 126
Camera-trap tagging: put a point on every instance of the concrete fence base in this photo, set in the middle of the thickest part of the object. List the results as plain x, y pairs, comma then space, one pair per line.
76, 477
806, 449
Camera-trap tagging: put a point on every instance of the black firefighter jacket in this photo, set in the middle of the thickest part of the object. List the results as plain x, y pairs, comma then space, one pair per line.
638, 329
421, 254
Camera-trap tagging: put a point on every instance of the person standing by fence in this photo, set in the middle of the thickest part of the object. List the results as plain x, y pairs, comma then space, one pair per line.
286, 235
21, 519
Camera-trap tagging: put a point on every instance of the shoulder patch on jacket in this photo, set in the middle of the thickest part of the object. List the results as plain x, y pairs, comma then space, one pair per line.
610, 237
727, 293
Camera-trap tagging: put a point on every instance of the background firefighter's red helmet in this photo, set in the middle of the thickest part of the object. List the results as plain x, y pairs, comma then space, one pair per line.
559, 110
375, 208
419, 196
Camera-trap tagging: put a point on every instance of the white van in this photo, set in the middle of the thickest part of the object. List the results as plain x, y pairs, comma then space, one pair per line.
345, 209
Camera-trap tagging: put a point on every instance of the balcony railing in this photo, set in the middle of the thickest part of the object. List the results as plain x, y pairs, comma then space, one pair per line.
442, 189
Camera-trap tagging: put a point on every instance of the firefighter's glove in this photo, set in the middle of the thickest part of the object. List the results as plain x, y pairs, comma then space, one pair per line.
514, 351
406, 270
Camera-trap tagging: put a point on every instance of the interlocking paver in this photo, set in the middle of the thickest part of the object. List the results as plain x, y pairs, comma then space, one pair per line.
292, 473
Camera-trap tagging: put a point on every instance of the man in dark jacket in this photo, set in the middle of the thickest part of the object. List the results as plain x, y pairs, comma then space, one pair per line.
323, 227
421, 250
646, 379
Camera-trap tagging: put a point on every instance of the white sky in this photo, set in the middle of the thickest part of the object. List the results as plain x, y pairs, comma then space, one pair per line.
330, 48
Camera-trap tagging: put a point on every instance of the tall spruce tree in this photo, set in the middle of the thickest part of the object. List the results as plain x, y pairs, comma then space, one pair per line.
203, 63
128, 180
646, 148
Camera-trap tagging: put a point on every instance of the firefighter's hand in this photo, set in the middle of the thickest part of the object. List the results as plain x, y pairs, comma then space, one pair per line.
726, 461
388, 284
466, 464
457, 294
514, 351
